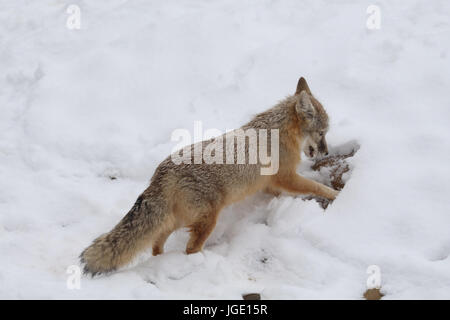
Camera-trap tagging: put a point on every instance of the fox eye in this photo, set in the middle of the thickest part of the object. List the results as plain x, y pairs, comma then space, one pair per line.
321, 134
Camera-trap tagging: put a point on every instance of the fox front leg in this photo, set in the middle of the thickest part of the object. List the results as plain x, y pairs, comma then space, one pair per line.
298, 184
272, 191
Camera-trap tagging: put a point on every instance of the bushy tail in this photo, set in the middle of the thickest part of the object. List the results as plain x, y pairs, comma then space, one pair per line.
131, 235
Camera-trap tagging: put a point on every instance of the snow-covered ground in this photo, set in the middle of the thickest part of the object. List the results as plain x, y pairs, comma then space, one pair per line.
80, 106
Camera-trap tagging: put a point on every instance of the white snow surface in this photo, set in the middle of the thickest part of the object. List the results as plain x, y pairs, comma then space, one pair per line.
78, 106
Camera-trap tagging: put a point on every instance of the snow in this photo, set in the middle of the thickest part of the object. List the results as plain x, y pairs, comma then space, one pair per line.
80, 106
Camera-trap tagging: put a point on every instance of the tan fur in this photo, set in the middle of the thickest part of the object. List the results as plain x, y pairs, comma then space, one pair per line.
192, 195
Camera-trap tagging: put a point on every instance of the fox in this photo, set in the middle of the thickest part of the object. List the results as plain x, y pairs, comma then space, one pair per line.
191, 195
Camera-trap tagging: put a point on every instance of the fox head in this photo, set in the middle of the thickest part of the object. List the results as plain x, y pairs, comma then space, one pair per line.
313, 120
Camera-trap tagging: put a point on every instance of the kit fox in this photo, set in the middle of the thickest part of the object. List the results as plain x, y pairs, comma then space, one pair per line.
192, 194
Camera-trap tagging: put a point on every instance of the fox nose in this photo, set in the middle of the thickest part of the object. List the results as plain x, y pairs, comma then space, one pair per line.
323, 147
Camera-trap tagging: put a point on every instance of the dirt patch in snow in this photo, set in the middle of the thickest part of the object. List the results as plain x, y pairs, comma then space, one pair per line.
373, 294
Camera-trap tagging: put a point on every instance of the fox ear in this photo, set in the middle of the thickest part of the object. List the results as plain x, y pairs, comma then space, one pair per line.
304, 106
302, 86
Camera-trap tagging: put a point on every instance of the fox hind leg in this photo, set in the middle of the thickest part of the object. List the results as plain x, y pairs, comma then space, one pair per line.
200, 231
158, 245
